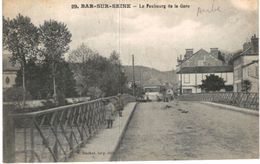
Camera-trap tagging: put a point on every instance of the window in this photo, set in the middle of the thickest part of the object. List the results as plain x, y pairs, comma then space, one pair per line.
7, 80
238, 74
252, 71
199, 79
187, 91
186, 78
226, 76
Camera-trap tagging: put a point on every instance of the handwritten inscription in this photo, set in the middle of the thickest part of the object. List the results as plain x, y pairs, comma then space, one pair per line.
213, 9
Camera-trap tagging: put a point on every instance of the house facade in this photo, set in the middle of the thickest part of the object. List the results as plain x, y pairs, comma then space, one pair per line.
194, 68
246, 66
9, 72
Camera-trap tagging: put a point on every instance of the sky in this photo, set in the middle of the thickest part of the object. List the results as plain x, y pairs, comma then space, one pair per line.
156, 37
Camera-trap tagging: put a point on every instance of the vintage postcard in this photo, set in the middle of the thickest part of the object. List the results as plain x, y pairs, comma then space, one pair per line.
130, 80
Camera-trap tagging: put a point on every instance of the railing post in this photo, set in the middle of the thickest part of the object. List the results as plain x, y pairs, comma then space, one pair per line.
55, 148
32, 141
71, 144
25, 143
246, 101
8, 137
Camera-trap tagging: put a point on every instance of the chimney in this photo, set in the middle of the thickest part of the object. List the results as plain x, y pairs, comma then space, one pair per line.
214, 52
179, 59
189, 53
254, 43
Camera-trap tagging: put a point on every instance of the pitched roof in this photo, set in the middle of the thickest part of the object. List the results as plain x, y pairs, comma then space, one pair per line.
219, 57
248, 52
206, 69
194, 54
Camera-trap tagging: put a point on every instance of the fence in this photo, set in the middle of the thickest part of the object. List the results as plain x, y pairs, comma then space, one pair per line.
245, 100
55, 134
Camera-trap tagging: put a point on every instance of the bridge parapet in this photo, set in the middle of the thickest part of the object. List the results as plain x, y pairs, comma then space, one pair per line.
245, 100
55, 134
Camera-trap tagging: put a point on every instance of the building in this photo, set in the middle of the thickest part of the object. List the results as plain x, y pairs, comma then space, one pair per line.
246, 66
194, 67
9, 72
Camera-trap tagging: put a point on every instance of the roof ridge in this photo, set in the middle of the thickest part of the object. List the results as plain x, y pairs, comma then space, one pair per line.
194, 54
245, 50
201, 49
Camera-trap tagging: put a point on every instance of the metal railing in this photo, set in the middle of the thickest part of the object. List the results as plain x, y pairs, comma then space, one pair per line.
245, 100
55, 134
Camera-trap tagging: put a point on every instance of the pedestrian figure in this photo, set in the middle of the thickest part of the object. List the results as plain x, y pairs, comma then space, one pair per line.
120, 106
110, 113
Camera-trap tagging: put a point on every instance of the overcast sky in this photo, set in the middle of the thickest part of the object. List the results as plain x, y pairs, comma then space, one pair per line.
155, 36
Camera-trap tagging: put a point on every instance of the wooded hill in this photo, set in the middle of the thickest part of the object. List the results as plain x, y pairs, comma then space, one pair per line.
150, 76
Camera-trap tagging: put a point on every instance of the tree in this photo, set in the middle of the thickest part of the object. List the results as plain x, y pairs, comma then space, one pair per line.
66, 84
78, 59
246, 86
117, 72
94, 92
90, 69
95, 73
55, 38
21, 38
114, 77
39, 80
81, 54
212, 83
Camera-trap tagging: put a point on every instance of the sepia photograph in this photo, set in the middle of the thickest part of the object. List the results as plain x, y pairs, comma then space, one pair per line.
130, 80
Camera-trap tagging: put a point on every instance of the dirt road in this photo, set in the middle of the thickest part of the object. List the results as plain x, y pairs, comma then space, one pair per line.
188, 130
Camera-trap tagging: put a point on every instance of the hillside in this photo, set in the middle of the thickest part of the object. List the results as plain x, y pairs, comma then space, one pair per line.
150, 76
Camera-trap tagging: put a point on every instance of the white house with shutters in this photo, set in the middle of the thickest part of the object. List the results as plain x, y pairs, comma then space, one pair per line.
194, 67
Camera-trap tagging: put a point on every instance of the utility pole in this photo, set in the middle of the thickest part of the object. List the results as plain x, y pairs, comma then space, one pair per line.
196, 89
133, 62
119, 76
141, 77
181, 76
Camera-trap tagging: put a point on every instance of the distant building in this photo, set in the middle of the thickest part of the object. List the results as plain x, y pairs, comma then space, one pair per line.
9, 72
246, 66
194, 67
130, 83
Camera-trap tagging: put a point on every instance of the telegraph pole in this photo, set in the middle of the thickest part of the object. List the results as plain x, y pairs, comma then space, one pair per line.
181, 76
133, 62
119, 71
141, 79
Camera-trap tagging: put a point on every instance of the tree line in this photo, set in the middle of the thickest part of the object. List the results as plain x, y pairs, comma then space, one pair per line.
44, 73
97, 76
